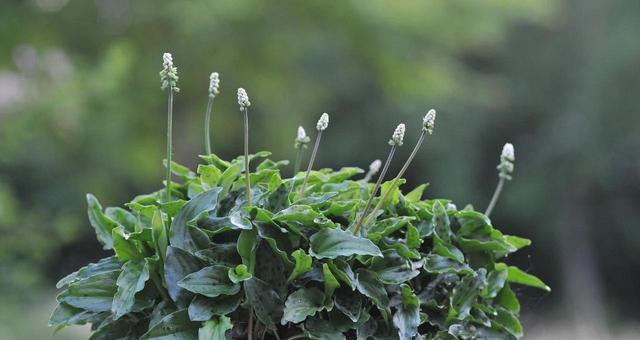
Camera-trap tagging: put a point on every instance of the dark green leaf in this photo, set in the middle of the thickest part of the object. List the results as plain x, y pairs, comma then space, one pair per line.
516, 275
107, 264
303, 264
331, 243
179, 264
407, 316
179, 233
131, 280
100, 222
215, 329
301, 304
439, 265
348, 303
210, 281
266, 303
465, 293
239, 273
202, 308
330, 281
369, 286
173, 326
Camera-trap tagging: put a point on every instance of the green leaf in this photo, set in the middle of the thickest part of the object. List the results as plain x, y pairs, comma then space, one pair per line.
179, 264
507, 299
407, 316
124, 246
180, 171
506, 320
107, 264
302, 265
102, 224
495, 282
173, 326
319, 329
348, 303
203, 308
369, 286
301, 304
114, 329
413, 239
330, 281
343, 272
441, 265
247, 244
122, 217
228, 177
441, 221
159, 233
516, 275
331, 243
239, 273
465, 293
298, 215
209, 174
65, 315
517, 242
223, 253
416, 194
266, 303
447, 250
94, 294
179, 233
210, 281
131, 280
392, 268
215, 329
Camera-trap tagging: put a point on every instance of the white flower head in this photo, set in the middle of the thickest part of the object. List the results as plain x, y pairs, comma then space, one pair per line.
374, 167
214, 84
323, 122
398, 136
243, 99
429, 121
301, 139
507, 157
169, 74
508, 152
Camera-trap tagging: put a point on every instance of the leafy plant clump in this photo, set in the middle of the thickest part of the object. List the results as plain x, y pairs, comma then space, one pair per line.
302, 260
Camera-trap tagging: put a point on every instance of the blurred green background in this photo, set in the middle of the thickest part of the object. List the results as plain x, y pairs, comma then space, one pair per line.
81, 110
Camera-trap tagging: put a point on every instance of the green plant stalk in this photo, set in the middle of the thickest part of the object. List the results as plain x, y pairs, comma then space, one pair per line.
494, 198
310, 166
207, 127
246, 156
400, 173
169, 142
296, 165
250, 326
356, 230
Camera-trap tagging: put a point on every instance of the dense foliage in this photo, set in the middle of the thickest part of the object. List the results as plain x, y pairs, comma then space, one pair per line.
201, 265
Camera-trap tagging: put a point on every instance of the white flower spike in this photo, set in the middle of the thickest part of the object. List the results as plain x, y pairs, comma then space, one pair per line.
429, 121
169, 73
214, 84
508, 152
243, 99
323, 122
398, 136
507, 158
374, 167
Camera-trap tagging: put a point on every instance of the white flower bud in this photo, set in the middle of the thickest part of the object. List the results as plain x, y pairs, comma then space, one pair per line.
243, 99
169, 73
301, 139
374, 167
398, 136
323, 122
505, 168
214, 84
429, 121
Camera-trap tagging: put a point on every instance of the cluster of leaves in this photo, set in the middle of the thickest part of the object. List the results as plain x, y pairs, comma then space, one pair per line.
204, 264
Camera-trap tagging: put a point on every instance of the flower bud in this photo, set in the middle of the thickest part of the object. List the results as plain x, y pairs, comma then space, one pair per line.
169, 74
323, 122
374, 167
506, 166
429, 121
243, 99
214, 84
398, 136
301, 139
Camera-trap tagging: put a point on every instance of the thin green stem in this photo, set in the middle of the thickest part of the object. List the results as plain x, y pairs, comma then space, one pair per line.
207, 127
246, 156
494, 198
311, 160
169, 142
356, 230
400, 173
296, 165
250, 327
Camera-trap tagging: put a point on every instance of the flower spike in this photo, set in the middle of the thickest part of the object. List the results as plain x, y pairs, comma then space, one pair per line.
243, 99
398, 136
323, 122
214, 84
505, 169
169, 74
302, 140
429, 121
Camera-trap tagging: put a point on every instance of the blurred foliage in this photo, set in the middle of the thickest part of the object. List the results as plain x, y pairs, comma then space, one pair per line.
81, 111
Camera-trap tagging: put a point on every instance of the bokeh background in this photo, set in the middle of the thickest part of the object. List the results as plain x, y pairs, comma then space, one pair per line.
81, 110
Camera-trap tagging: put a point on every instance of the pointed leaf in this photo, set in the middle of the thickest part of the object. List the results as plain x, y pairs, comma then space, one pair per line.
331, 243
215, 329
131, 280
210, 281
301, 304
179, 233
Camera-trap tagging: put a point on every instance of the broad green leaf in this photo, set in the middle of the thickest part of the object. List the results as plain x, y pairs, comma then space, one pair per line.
122, 217
392, 268
506, 320
441, 222
228, 177
160, 238
239, 273
215, 329
369, 286
209, 174
107, 264
210, 281
495, 282
173, 326
180, 171
343, 272
277, 240
441, 265
331, 243
416, 194
447, 250
301, 304
223, 253
516, 275
247, 245
413, 239
179, 233
507, 299
202, 307
330, 281
465, 293
161, 310
177, 265
100, 222
94, 294
215, 160
299, 215
320, 329
517, 242
266, 303
124, 247
407, 316
388, 226
114, 329
65, 315
131, 280
348, 303
302, 264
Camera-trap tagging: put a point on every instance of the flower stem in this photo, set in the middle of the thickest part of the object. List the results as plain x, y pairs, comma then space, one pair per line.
313, 157
296, 166
169, 142
400, 173
207, 127
246, 156
250, 327
356, 230
496, 195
